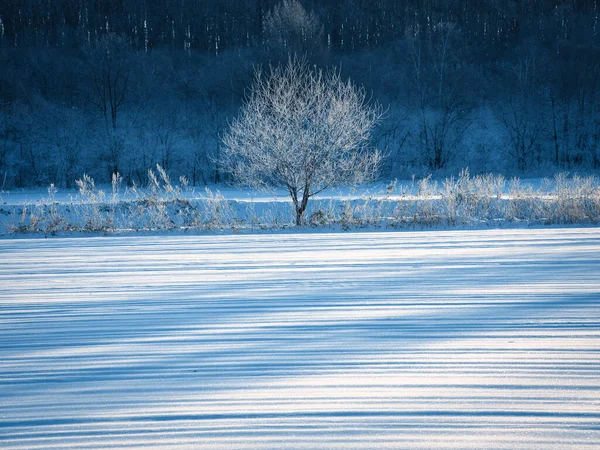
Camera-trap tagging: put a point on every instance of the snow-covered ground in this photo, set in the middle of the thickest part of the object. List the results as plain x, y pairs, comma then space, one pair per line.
455, 339
378, 189
469, 202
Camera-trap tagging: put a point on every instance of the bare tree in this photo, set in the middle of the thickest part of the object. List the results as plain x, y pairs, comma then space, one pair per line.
292, 28
110, 71
302, 130
444, 112
520, 112
574, 97
68, 139
110, 63
8, 138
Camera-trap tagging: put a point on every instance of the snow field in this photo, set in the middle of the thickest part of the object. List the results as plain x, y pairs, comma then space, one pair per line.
454, 339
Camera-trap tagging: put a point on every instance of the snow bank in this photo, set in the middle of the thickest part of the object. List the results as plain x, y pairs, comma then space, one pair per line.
481, 201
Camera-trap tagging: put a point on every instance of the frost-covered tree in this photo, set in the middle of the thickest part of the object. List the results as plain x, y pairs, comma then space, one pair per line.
303, 130
292, 28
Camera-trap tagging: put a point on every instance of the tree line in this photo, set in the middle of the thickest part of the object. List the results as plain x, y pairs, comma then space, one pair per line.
121, 85
348, 25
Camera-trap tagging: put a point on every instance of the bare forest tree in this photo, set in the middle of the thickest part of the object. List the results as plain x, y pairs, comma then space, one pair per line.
293, 29
302, 130
441, 102
520, 112
7, 144
574, 97
110, 71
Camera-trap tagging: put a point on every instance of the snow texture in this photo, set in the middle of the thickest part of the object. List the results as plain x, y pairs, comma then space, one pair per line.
454, 339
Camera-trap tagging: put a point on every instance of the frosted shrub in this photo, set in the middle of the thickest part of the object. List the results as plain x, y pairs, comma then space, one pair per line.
575, 200
320, 218
347, 217
274, 217
45, 216
490, 185
157, 206
461, 201
92, 206
161, 187
372, 212
29, 219
524, 204
184, 211
468, 200
427, 210
159, 217
115, 200
215, 212
377, 209
156, 203
54, 221
400, 208
2, 189
453, 196
490, 188
590, 198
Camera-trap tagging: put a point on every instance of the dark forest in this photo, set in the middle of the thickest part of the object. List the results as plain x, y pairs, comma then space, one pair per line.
105, 86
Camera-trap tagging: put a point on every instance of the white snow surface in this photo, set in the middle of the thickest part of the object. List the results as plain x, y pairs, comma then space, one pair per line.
453, 339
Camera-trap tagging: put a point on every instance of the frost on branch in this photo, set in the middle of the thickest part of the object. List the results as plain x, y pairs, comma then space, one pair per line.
302, 130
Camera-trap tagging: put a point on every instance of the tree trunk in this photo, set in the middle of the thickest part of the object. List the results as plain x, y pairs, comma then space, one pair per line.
300, 208
555, 133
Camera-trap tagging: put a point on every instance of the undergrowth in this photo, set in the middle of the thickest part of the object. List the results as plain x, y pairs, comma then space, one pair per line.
464, 201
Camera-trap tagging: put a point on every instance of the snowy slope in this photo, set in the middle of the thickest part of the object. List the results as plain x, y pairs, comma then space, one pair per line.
462, 339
